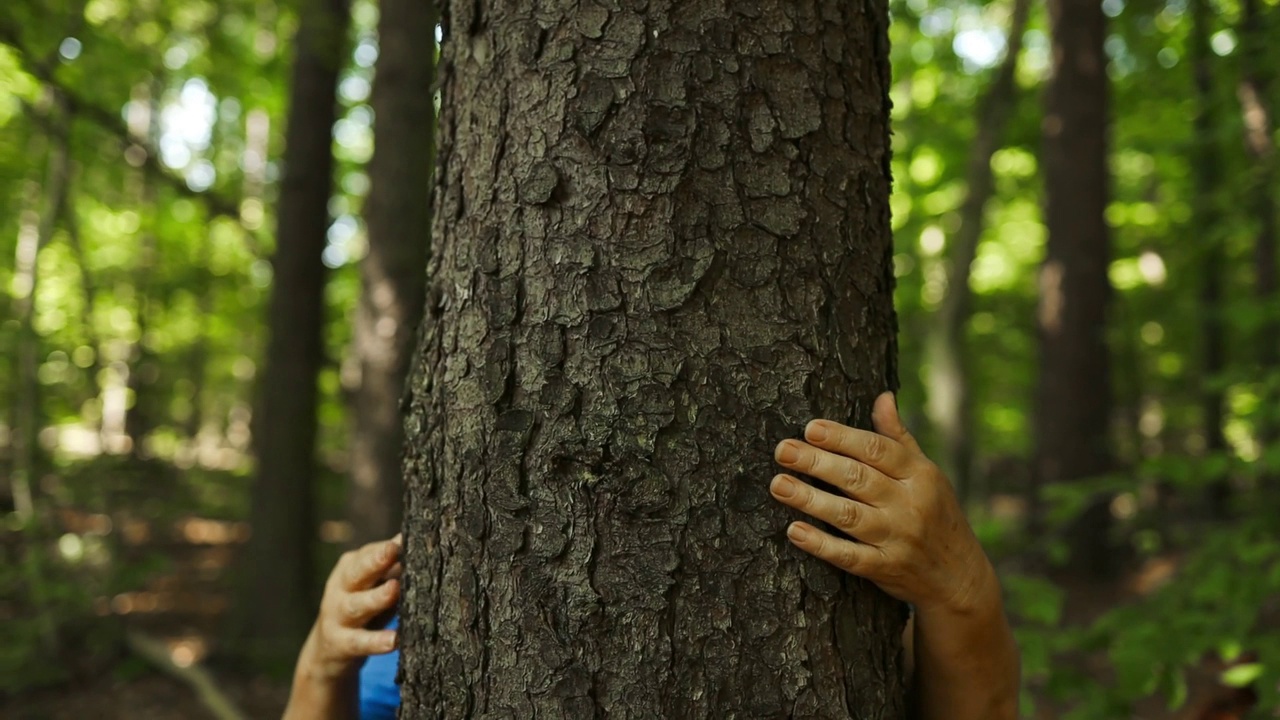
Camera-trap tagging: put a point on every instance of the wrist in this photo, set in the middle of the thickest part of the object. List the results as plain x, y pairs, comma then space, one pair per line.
977, 596
321, 688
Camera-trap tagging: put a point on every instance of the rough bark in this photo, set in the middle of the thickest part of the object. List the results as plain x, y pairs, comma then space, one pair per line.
279, 593
661, 244
1073, 395
393, 274
1207, 224
950, 402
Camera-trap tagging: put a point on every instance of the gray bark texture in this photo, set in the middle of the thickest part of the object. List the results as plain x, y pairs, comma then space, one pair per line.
1073, 394
393, 274
661, 244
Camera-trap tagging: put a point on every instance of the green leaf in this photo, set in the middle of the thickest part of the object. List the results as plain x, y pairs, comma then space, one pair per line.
1242, 675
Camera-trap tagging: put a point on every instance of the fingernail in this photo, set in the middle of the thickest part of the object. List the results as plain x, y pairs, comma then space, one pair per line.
797, 533
817, 432
787, 453
783, 487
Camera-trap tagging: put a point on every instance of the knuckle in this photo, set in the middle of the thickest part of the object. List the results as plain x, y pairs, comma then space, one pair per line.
388, 594
804, 497
848, 515
854, 476
810, 461
364, 644
351, 609
822, 547
876, 448
848, 558
890, 564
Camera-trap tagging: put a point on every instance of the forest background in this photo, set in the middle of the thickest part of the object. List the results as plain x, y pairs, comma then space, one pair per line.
141, 156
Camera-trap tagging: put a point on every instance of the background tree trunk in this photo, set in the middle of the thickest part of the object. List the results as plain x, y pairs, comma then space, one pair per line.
1208, 233
1073, 396
662, 244
143, 122
1259, 126
46, 202
279, 594
950, 405
393, 274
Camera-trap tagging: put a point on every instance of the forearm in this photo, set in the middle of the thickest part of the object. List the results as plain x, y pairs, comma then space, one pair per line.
319, 693
967, 663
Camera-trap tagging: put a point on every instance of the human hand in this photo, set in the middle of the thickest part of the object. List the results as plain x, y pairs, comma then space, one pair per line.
909, 533
364, 584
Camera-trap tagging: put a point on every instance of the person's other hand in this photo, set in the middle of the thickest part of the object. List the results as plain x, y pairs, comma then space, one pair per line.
363, 585
909, 533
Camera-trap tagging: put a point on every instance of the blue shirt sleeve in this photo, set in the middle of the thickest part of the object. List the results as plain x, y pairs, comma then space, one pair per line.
379, 694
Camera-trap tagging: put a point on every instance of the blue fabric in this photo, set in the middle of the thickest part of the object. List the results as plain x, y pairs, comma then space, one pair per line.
379, 693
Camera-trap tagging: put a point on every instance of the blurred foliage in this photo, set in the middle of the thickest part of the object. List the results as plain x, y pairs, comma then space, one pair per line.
152, 292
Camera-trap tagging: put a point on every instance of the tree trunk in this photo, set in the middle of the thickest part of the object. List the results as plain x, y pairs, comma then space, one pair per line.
47, 202
393, 275
143, 367
280, 592
950, 404
197, 359
1073, 396
1259, 126
662, 244
1207, 225
89, 289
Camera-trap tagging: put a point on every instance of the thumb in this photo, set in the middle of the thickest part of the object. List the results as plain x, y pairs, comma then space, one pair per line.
884, 415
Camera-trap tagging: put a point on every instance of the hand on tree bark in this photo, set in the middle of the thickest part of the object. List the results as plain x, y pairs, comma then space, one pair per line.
906, 530
363, 585
908, 534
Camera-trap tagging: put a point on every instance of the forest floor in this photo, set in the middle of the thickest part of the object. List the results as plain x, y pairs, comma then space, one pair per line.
185, 604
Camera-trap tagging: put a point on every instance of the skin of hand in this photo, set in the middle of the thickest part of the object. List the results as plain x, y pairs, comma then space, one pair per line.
363, 585
908, 534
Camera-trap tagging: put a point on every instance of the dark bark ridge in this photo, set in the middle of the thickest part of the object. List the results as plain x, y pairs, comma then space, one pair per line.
662, 244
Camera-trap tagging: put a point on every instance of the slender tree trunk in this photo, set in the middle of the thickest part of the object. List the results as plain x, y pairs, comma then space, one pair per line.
1073, 396
89, 289
662, 244
46, 204
198, 354
1207, 224
393, 275
1259, 126
280, 593
950, 402
144, 131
